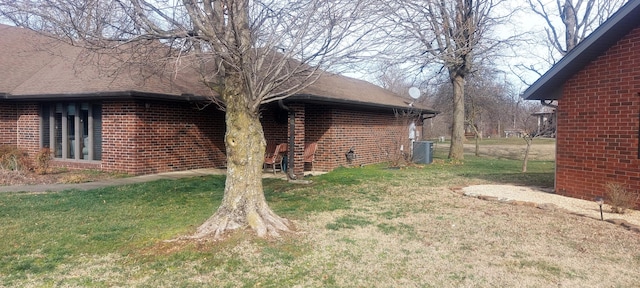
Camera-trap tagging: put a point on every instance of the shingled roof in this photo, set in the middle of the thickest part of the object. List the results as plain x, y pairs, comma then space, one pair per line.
37, 67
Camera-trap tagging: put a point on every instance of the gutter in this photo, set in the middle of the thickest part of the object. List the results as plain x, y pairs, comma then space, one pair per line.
356, 104
116, 95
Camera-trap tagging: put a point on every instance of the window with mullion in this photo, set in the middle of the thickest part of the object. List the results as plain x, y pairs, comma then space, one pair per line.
72, 130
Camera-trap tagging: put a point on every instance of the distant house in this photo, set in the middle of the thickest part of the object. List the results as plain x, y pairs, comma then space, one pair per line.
148, 123
546, 122
597, 88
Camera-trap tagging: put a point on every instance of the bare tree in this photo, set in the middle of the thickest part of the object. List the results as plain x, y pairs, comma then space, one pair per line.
579, 18
249, 52
534, 128
567, 23
453, 35
392, 78
487, 103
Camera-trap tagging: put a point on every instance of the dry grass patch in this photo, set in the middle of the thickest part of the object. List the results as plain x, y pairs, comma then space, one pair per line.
444, 240
361, 227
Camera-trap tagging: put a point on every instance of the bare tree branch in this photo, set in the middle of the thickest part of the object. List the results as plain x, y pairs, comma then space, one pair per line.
452, 35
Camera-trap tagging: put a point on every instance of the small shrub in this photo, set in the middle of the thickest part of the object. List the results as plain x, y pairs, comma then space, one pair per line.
43, 159
12, 177
14, 159
620, 198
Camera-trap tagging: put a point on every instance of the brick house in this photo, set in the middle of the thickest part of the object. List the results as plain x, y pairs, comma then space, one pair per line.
597, 88
129, 122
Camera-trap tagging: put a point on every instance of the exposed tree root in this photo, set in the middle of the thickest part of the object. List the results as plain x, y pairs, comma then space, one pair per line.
264, 222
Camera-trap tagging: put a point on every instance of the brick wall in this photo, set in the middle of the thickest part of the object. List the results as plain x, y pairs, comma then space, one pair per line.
274, 123
8, 123
143, 137
373, 134
28, 127
598, 124
27, 134
164, 137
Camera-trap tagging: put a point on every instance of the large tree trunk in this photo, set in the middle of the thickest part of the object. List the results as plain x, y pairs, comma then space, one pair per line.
456, 150
243, 204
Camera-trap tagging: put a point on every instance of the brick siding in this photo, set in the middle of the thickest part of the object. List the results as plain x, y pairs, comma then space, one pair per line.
274, 123
598, 124
28, 128
164, 137
373, 134
8, 124
143, 137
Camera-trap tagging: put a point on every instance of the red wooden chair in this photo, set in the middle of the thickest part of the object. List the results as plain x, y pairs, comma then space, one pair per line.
310, 152
274, 157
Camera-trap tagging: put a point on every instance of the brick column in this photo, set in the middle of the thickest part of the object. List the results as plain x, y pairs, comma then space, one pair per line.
299, 138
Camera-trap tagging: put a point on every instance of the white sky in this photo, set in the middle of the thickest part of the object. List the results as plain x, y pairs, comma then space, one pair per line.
530, 54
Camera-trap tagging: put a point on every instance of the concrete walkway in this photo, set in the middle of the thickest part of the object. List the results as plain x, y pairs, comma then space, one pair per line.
124, 181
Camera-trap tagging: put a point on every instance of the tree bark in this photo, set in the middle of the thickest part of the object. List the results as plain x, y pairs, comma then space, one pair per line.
244, 204
456, 150
571, 30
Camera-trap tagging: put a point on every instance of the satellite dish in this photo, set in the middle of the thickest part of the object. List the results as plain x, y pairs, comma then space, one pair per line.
414, 92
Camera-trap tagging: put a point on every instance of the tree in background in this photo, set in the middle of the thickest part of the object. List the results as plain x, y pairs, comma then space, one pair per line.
491, 102
487, 103
567, 22
533, 128
445, 35
249, 52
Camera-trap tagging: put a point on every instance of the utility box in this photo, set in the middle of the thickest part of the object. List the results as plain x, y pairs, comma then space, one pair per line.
422, 152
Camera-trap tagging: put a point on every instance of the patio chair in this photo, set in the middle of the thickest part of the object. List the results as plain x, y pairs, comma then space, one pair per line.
310, 152
274, 157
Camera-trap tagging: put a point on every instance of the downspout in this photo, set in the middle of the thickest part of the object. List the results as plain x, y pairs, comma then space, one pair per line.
292, 132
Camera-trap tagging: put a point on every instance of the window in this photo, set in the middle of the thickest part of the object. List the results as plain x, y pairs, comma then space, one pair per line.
73, 130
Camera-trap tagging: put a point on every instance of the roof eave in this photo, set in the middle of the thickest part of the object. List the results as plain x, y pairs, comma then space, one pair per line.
196, 98
117, 95
549, 85
356, 104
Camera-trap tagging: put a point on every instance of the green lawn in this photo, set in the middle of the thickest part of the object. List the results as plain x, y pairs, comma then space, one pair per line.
356, 227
